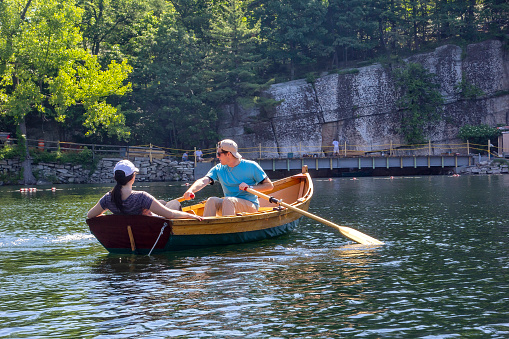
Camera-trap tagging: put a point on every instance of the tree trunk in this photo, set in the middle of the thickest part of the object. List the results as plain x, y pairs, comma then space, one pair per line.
292, 69
28, 176
335, 61
381, 32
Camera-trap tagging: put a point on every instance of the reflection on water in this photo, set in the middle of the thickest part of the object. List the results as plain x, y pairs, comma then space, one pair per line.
442, 273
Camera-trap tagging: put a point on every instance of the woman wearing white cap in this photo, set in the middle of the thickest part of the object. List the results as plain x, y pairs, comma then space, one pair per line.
123, 200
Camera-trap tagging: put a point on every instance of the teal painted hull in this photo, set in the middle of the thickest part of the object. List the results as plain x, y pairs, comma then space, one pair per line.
188, 242
184, 242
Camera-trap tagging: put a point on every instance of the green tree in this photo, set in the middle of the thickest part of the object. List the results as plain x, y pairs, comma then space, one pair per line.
195, 15
292, 32
233, 63
420, 101
351, 29
495, 16
44, 70
478, 135
110, 22
167, 103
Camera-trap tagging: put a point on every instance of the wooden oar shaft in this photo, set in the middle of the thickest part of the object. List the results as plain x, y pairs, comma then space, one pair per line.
346, 231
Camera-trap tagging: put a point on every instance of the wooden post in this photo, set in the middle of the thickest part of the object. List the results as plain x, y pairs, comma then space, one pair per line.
260, 147
300, 149
390, 150
150, 153
429, 147
468, 148
195, 157
345, 149
489, 149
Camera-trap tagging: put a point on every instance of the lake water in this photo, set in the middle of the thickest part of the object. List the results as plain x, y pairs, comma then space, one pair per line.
443, 273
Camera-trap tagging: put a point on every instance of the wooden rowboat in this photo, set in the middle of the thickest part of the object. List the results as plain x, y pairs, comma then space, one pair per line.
150, 234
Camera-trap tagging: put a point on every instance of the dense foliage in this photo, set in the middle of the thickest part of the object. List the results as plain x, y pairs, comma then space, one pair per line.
479, 135
188, 60
420, 101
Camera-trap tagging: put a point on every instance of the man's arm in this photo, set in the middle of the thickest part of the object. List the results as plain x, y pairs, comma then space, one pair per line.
265, 185
197, 186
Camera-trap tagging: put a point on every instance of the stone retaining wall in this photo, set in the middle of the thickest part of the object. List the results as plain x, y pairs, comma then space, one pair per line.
487, 167
47, 173
9, 168
361, 108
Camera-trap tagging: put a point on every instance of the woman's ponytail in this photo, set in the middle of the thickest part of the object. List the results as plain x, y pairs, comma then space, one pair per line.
116, 192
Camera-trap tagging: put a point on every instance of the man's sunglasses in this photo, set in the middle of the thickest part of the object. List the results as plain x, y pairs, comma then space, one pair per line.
221, 152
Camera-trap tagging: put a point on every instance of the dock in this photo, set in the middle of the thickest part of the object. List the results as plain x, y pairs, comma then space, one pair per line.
356, 166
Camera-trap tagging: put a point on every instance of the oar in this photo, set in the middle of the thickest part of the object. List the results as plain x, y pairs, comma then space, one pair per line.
348, 232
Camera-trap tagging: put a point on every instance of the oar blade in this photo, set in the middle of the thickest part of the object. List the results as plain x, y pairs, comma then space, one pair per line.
358, 236
348, 232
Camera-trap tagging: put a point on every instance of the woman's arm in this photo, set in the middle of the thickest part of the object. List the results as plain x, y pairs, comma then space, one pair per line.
95, 211
157, 208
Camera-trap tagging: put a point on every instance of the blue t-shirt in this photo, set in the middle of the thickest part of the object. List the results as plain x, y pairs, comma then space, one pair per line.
230, 178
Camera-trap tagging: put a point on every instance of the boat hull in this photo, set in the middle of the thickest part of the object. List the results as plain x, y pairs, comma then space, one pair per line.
142, 234
145, 238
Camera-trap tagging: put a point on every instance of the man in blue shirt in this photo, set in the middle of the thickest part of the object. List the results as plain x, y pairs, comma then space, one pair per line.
235, 175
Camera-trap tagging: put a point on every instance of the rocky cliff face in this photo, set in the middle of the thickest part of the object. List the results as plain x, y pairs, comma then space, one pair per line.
360, 108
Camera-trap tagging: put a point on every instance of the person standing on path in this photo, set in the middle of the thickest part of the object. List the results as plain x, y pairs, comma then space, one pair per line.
335, 143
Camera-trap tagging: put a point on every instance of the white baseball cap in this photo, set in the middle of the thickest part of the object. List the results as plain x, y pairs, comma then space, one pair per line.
126, 166
230, 146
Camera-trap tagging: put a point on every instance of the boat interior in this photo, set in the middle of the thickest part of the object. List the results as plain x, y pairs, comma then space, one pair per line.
292, 190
